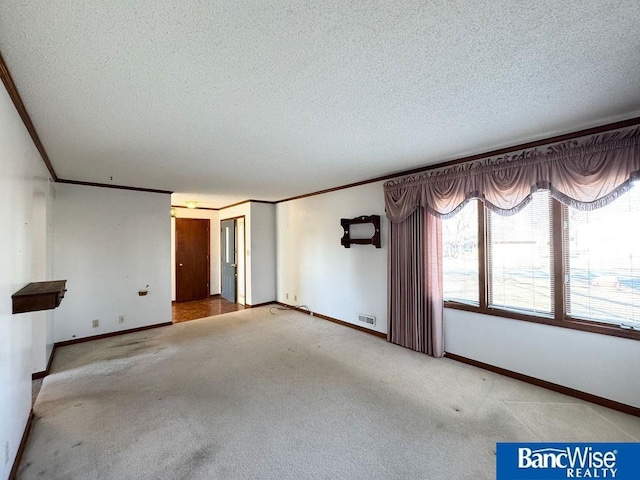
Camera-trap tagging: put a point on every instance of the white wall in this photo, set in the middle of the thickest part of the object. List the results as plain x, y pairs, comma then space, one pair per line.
260, 243
313, 266
341, 282
22, 178
41, 269
50, 334
263, 256
214, 246
240, 236
598, 364
108, 245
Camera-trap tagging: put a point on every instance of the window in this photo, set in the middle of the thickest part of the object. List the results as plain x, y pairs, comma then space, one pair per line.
460, 255
519, 258
603, 262
548, 263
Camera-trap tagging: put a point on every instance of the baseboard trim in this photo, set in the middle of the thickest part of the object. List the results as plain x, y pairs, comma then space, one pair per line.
111, 334
23, 444
260, 304
37, 375
335, 320
605, 402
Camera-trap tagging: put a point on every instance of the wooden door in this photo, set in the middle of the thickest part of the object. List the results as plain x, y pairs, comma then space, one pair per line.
228, 263
192, 259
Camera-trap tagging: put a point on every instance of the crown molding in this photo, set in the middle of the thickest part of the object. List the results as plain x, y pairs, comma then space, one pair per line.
195, 208
26, 119
24, 115
108, 185
523, 146
268, 202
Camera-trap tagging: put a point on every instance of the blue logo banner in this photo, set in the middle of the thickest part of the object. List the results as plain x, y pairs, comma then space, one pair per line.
551, 461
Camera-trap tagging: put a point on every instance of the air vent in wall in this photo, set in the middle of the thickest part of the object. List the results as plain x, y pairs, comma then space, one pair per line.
368, 319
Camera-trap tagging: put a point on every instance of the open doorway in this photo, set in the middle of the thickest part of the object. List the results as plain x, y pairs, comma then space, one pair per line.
211, 303
232, 259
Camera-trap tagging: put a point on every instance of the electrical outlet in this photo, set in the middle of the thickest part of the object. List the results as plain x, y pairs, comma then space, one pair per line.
286, 296
364, 318
121, 319
6, 453
95, 323
295, 298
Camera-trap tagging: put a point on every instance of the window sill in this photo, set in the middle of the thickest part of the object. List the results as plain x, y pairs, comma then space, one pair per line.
574, 324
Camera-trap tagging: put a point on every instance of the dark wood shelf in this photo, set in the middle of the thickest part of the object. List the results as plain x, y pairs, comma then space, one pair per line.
39, 296
346, 223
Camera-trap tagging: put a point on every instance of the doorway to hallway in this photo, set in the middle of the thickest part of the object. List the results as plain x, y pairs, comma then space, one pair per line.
233, 259
228, 262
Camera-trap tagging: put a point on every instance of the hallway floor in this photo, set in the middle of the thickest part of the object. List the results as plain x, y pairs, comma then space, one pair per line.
208, 307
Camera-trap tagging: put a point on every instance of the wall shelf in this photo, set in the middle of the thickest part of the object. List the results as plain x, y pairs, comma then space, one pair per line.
347, 241
39, 296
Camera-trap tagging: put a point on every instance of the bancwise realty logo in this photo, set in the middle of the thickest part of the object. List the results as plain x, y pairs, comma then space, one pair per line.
551, 461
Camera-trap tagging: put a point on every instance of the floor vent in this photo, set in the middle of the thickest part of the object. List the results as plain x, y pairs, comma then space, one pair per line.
368, 319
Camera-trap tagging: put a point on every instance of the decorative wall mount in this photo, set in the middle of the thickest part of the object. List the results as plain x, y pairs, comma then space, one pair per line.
346, 223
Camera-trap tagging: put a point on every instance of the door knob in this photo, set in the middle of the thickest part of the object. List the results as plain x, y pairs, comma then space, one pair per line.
180, 265
234, 265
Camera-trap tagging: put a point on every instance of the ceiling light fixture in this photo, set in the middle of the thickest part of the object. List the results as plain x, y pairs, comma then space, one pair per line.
191, 204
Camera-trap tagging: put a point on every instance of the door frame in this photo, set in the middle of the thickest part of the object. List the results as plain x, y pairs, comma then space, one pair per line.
243, 253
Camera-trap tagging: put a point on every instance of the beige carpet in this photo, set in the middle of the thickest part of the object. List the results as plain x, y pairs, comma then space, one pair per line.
250, 395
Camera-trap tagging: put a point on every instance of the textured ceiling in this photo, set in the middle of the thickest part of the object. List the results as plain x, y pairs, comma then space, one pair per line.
268, 100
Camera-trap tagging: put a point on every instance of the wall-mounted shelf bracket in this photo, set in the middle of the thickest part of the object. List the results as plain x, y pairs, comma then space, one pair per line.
346, 223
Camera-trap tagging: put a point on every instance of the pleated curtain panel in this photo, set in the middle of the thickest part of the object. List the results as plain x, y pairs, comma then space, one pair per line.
584, 173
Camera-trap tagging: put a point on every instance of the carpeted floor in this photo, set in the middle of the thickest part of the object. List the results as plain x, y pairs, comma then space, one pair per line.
250, 395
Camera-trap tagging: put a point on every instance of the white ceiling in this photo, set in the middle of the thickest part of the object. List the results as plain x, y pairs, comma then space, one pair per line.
224, 101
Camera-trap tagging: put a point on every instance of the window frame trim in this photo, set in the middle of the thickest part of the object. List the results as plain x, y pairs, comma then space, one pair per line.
567, 322
559, 317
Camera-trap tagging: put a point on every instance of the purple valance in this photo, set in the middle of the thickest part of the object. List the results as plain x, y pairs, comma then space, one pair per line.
584, 173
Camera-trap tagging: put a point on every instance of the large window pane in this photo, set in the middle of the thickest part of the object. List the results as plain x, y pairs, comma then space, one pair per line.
604, 261
520, 256
460, 255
